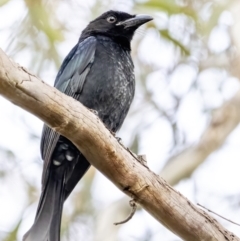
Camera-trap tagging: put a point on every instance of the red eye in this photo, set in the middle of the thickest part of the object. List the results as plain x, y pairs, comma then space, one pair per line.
111, 19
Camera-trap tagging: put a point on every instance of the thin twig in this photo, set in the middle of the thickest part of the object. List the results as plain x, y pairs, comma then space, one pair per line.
218, 215
133, 204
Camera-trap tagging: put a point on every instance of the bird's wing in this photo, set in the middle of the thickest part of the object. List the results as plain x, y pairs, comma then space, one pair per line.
70, 80
76, 66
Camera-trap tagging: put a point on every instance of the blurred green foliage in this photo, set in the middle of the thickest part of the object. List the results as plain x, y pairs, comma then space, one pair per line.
39, 32
12, 236
2, 2
171, 7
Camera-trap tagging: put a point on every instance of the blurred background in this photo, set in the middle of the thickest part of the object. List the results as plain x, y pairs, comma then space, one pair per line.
184, 117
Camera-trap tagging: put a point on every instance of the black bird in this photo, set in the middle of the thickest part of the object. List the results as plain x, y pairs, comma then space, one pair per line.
99, 73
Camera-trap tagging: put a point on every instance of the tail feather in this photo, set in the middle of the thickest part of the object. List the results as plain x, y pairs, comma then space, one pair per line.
47, 223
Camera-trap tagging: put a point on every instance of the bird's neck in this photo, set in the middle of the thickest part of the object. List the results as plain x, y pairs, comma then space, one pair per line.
124, 42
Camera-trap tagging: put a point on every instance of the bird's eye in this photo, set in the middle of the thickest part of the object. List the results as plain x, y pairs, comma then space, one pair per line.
111, 19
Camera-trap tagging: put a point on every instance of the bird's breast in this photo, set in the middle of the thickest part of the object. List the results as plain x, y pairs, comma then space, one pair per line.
109, 86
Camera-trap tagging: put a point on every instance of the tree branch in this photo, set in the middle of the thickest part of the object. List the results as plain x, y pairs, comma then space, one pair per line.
224, 121
71, 119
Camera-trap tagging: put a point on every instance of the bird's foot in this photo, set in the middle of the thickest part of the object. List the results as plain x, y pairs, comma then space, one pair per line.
143, 160
119, 139
94, 112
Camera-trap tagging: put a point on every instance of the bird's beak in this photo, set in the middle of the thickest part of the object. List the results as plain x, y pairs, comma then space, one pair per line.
136, 21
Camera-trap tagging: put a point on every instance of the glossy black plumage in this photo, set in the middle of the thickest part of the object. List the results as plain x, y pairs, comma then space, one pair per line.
98, 72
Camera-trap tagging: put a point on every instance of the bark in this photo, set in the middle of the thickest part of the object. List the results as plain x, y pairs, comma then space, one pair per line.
86, 131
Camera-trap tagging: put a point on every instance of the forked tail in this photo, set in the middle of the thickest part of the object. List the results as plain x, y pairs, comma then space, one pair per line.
47, 223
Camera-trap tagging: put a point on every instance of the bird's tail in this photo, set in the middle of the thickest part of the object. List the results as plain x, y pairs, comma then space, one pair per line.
47, 223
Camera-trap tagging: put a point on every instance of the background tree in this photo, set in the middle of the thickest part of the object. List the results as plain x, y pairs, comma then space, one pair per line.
187, 75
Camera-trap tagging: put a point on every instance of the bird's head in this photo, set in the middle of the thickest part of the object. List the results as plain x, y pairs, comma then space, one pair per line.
117, 25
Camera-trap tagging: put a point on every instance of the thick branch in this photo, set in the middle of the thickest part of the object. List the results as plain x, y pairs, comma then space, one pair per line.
97, 144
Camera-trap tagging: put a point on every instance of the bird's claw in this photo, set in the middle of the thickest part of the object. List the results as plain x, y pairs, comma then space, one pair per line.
119, 139
94, 112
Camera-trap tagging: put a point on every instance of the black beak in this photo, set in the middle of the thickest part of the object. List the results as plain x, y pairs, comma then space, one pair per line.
136, 21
